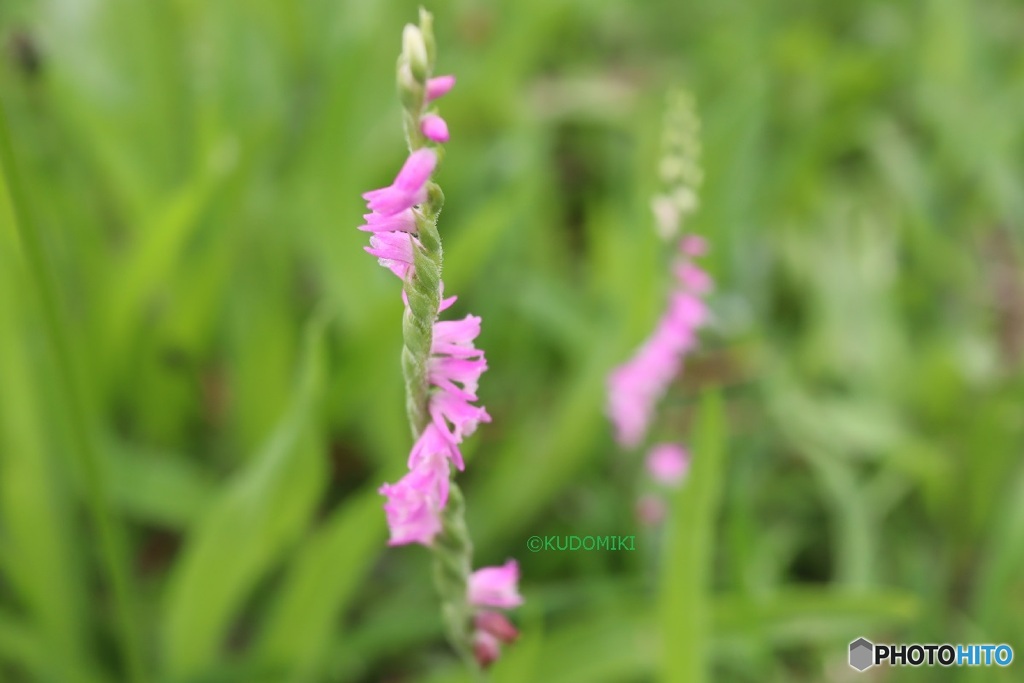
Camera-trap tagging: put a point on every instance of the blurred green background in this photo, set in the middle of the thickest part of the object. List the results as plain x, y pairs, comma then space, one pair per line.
199, 381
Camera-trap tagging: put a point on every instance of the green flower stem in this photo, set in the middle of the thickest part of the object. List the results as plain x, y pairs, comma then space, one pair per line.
111, 536
423, 290
453, 560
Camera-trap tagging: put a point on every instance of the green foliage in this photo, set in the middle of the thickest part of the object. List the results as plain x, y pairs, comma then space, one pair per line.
206, 395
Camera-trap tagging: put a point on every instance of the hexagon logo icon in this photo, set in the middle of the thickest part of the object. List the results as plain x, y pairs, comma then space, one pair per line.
861, 651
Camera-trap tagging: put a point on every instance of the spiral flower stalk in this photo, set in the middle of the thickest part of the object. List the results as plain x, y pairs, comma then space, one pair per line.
440, 364
636, 386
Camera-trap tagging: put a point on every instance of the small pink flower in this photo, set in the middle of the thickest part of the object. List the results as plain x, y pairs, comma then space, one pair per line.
409, 187
403, 221
497, 625
694, 245
486, 649
496, 586
455, 337
445, 371
635, 387
650, 510
464, 417
693, 278
415, 502
394, 250
668, 463
434, 441
438, 86
687, 311
434, 128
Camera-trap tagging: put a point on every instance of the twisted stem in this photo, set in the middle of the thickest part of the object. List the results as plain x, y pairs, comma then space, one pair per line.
453, 553
423, 291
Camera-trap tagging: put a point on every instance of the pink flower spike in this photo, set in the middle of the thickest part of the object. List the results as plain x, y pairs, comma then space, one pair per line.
668, 463
432, 442
496, 586
434, 128
439, 86
415, 502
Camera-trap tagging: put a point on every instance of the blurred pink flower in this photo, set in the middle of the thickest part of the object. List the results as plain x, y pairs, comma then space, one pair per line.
694, 245
693, 278
496, 624
650, 510
668, 463
496, 586
486, 649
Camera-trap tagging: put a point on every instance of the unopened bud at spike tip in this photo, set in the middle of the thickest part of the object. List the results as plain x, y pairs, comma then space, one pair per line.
427, 29
414, 52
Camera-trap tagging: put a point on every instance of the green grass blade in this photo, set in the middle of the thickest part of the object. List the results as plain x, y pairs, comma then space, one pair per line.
247, 528
689, 553
324, 576
86, 451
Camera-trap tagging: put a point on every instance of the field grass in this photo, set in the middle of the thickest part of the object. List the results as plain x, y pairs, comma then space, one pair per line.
200, 388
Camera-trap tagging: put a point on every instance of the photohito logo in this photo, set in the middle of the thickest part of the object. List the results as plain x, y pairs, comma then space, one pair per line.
864, 654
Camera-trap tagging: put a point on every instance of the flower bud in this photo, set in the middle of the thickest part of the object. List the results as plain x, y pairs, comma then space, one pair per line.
486, 649
498, 625
414, 52
427, 29
410, 91
434, 128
